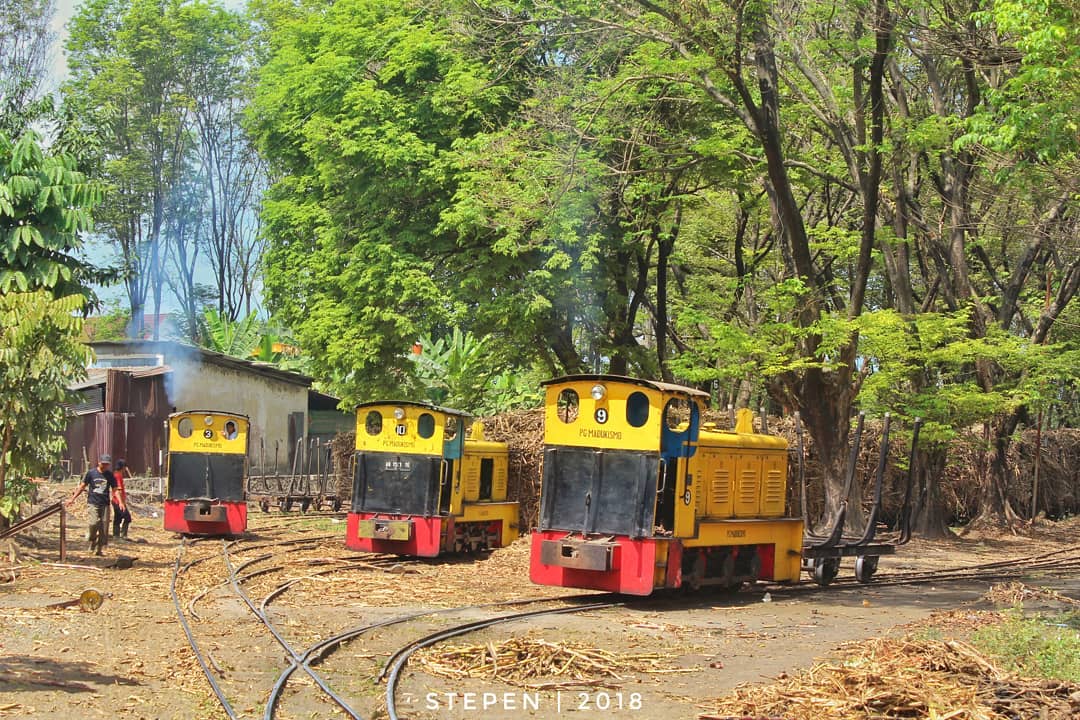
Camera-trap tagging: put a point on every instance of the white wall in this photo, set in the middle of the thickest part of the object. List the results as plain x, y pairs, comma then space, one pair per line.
197, 385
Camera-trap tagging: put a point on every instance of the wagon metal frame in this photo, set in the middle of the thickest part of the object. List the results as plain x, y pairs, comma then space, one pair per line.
821, 554
312, 483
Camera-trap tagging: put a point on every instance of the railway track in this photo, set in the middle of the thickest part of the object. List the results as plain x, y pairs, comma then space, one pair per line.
1049, 563
303, 660
233, 580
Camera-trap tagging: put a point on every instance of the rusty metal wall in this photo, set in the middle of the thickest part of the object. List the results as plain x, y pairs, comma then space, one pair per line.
132, 425
80, 435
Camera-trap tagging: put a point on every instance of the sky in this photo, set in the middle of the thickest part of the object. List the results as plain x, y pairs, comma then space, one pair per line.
58, 65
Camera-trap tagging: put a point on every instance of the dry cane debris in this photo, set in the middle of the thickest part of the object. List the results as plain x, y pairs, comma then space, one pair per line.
522, 661
1015, 593
905, 678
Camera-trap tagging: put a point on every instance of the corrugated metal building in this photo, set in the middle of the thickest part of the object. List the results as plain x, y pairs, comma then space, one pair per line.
133, 386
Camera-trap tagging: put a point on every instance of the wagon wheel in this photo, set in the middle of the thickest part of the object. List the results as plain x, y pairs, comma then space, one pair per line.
865, 567
305, 504
264, 505
336, 504
826, 570
286, 504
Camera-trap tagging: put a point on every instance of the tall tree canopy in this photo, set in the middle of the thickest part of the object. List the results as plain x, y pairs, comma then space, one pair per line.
24, 56
157, 90
826, 205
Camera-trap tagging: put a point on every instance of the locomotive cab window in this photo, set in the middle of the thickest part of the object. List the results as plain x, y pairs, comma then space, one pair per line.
677, 413
568, 406
373, 423
425, 425
637, 409
185, 427
487, 477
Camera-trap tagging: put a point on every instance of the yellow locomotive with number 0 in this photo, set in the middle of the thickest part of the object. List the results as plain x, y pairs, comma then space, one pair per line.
421, 488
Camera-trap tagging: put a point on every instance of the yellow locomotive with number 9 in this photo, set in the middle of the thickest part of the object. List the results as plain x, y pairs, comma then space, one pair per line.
636, 494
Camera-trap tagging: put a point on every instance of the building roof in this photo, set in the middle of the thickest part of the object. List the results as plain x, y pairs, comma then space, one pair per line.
95, 377
173, 351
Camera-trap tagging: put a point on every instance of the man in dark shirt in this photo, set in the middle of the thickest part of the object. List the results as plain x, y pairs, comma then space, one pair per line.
99, 483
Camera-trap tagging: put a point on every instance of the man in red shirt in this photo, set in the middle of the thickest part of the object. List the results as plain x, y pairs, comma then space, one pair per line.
121, 514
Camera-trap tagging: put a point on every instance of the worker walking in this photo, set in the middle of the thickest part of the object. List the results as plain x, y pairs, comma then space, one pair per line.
100, 484
121, 513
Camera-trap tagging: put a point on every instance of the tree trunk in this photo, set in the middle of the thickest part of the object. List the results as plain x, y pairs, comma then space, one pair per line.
929, 516
8, 434
825, 407
664, 248
996, 509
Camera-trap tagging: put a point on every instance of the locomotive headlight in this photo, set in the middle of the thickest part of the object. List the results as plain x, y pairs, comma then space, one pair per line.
399, 413
208, 420
598, 392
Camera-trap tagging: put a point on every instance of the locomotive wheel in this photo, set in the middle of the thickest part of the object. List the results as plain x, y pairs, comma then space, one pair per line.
826, 570
865, 567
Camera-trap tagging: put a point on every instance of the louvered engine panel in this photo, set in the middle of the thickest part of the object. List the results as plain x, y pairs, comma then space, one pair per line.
748, 486
498, 484
471, 480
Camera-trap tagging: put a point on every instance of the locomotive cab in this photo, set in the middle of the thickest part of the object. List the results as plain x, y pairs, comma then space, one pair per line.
420, 487
633, 492
207, 463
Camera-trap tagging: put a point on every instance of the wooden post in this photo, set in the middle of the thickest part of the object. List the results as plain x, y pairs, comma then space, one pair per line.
63, 534
1038, 458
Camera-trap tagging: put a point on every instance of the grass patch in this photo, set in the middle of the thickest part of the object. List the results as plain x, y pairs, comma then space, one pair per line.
1037, 646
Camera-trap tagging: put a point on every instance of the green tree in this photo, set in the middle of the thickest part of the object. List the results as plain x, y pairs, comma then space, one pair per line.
459, 370
45, 208
358, 111
40, 355
24, 55
238, 338
157, 90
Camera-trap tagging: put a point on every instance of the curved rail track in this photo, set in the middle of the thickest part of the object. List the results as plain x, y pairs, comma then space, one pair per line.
303, 660
236, 581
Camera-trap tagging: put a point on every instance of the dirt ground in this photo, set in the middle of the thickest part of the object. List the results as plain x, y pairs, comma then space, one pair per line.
130, 657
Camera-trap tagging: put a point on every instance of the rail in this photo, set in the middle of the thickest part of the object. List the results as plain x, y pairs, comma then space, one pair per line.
38, 517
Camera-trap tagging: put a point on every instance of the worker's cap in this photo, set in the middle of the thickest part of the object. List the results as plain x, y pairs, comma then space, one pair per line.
105, 458
120, 462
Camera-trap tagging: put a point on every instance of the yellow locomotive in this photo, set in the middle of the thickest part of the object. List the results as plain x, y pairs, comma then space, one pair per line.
637, 494
204, 493
421, 488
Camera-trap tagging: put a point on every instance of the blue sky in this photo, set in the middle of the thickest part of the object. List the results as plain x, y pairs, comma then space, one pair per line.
57, 65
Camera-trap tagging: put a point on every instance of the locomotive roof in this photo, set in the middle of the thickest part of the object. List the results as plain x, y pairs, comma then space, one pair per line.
415, 403
654, 384
225, 413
